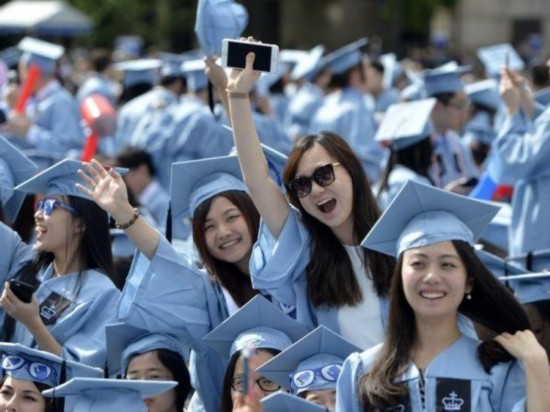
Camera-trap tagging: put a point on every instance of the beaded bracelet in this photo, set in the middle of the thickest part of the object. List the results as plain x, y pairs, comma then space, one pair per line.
131, 222
237, 95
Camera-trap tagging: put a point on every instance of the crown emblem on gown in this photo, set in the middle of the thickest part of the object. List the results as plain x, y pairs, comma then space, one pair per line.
452, 402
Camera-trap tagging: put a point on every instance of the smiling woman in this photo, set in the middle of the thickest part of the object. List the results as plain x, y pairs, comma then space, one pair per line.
69, 267
425, 360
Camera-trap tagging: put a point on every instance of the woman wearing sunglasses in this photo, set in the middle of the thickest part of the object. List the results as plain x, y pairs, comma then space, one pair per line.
308, 253
69, 296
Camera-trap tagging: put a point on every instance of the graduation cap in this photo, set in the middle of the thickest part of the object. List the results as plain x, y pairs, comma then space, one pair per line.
15, 168
217, 20
495, 57
498, 266
444, 79
392, 69
193, 70
100, 395
346, 57
406, 124
35, 365
484, 93
139, 71
535, 261
260, 324
309, 64
421, 215
126, 341
171, 64
312, 363
530, 287
285, 402
42, 53
415, 89
59, 179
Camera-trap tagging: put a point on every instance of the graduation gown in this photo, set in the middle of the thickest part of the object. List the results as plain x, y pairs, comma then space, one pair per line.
454, 380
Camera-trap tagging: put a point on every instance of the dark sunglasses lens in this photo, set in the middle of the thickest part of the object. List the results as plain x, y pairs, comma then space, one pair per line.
301, 186
324, 175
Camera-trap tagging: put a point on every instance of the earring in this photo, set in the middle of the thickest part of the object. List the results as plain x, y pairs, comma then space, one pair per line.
469, 296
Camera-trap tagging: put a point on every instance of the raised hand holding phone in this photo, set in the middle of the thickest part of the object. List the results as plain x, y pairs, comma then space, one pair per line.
234, 54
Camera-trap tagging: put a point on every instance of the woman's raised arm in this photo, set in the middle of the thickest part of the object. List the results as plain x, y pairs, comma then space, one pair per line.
269, 200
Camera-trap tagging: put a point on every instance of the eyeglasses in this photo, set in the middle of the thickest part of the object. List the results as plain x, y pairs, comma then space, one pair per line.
323, 176
48, 206
264, 384
304, 378
39, 371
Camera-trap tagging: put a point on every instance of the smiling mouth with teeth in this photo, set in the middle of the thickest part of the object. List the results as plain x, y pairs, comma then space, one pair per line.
433, 295
229, 244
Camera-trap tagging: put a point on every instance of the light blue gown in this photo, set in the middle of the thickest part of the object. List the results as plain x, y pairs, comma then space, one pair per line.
302, 108
56, 121
454, 160
345, 113
519, 157
79, 328
455, 378
398, 177
98, 84
479, 129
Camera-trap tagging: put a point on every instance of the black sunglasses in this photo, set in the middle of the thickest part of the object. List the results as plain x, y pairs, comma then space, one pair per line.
323, 176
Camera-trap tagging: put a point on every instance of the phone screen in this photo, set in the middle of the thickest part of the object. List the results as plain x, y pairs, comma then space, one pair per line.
236, 55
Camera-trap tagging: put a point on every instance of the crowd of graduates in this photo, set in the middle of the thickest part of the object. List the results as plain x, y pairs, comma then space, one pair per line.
353, 232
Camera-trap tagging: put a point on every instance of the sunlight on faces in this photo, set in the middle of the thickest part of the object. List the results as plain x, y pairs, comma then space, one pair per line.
260, 357
21, 396
226, 233
332, 205
324, 397
434, 280
147, 366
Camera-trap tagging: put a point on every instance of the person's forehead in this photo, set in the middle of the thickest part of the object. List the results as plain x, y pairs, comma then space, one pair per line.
316, 156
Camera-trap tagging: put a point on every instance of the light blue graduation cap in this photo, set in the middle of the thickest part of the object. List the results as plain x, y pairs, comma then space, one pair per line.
312, 363
259, 324
406, 124
126, 341
171, 64
495, 57
217, 20
444, 79
308, 65
415, 89
42, 53
498, 266
193, 70
484, 93
15, 168
285, 402
346, 57
59, 179
10, 56
100, 395
35, 365
421, 215
535, 261
530, 287
139, 71
392, 69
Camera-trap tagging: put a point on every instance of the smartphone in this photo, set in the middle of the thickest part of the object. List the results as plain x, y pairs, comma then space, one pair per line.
234, 55
507, 60
22, 290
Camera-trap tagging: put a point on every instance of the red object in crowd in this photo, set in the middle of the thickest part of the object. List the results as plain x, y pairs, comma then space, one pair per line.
100, 117
503, 193
27, 89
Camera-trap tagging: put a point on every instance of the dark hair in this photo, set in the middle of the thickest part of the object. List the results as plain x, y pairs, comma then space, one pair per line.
133, 91
93, 252
341, 80
100, 59
330, 276
227, 403
237, 283
444, 98
417, 157
540, 75
378, 66
491, 305
48, 402
132, 157
177, 367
